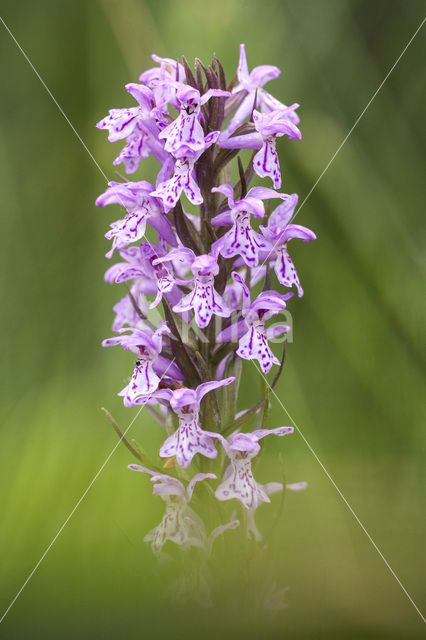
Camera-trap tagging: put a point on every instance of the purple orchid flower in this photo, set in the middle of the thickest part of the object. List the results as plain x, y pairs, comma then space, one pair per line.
151, 279
238, 481
241, 239
122, 122
268, 127
250, 90
147, 345
278, 232
141, 207
251, 332
189, 438
233, 293
137, 125
271, 126
160, 80
183, 179
180, 523
203, 299
136, 148
125, 313
186, 131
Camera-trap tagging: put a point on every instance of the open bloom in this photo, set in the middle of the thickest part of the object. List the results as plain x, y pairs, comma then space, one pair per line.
262, 136
137, 125
241, 239
149, 278
141, 208
189, 438
186, 131
238, 480
271, 126
204, 300
125, 312
251, 332
251, 92
147, 345
278, 232
180, 524
183, 178
160, 80
122, 122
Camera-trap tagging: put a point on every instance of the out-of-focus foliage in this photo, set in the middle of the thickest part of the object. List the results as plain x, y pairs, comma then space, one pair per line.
354, 375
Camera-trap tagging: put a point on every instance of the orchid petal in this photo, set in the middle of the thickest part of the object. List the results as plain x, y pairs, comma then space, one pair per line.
266, 163
246, 292
227, 190
241, 114
281, 216
298, 231
278, 431
214, 93
197, 478
264, 73
286, 272
205, 387
242, 69
223, 219
277, 330
296, 486
232, 333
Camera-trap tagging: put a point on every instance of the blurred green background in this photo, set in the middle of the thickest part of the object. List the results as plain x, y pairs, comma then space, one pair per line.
354, 375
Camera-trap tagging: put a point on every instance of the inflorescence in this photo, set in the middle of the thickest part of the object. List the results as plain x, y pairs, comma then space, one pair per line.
203, 270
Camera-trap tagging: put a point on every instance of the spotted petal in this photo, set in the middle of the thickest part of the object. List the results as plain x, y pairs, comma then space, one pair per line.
254, 346
266, 163
143, 382
286, 272
188, 440
238, 482
120, 123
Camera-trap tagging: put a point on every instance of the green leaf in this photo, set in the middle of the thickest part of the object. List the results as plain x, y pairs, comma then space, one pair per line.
121, 435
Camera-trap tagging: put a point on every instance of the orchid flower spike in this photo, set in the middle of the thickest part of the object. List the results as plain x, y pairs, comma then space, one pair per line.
179, 265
